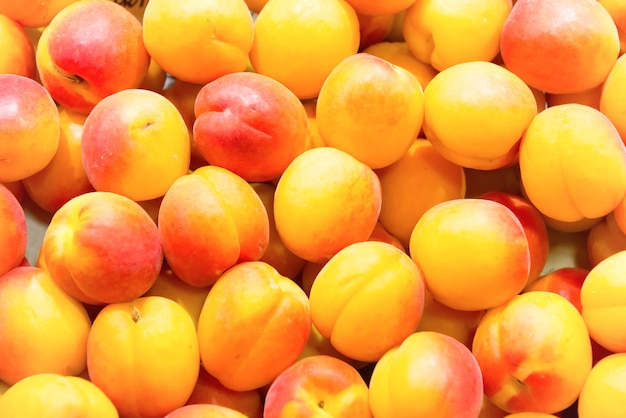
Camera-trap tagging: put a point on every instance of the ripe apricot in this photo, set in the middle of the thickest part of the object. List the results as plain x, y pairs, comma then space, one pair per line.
563, 46
209, 220
55, 395
420, 179
298, 43
443, 33
612, 99
490, 248
269, 321
370, 109
13, 232
249, 124
152, 342
429, 374
198, 40
367, 299
603, 392
325, 200
475, 114
560, 174
602, 299
44, 330
130, 135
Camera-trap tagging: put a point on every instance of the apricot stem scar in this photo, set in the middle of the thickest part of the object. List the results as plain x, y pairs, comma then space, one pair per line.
136, 315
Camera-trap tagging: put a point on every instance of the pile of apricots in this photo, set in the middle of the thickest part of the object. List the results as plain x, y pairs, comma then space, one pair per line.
297, 208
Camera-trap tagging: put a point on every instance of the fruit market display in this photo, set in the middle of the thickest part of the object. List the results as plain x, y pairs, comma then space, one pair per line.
298, 208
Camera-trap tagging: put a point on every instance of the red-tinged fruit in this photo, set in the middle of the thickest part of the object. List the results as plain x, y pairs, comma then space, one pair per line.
102, 248
30, 127
318, 385
90, 50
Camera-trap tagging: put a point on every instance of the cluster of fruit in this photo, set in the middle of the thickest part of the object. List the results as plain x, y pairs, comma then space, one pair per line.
291, 208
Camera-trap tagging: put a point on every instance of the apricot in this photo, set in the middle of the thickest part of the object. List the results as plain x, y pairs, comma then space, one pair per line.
53, 340
443, 33
290, 47
475, 114
420, 179
490, 249
249, 124
563, 46
602, 302
64, 177
429, 374
18, 52
129, 136
318, 385
268, 326
325, 200
367, 299
198, 41
13, 232
544, 370
31, 128
603, 391
55, 395
611, 98
561, 178
101, 248
617, 10
152, 342
107, 38
359, 107
209, 220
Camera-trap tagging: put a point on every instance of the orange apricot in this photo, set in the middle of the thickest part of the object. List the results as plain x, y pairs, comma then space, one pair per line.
603, 392
209, 220
560, 176
44, 330
325, 200
443, 33
152, 342
602, 299
475, 114
198, 41
290, 47
367, 299
268, 326
359, 108
55, 395
611, 99
490, 249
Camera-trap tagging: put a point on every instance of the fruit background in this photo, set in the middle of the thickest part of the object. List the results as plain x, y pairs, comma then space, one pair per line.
329, 208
